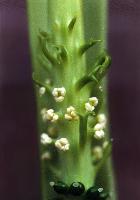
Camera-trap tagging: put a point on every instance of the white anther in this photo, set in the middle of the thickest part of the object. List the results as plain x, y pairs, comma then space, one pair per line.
59, 94
97, 152
42, 91
62, 144
99, 134
71, 114
45, 139
91, 104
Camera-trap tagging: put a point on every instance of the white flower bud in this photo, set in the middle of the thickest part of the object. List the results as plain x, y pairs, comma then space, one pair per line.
49, 115
101, 118
93, 101
42, 91
62, 144
97, 153
59, 94
45, 139
98, 127
99, 134
71, 114
91, 104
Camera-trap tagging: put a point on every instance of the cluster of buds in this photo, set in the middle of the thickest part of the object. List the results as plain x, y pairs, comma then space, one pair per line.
71, 114
91, 104
62, 144
59, 94
99, 127
49, 115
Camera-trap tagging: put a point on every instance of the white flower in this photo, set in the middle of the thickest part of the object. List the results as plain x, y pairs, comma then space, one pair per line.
62, 144
97, 152
42, 91
71, 114
45, 139
59, 94
91, 104
49, 115
101, 118
99, 134
98, 127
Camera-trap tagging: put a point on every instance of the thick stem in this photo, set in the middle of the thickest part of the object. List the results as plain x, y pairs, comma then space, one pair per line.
62, 51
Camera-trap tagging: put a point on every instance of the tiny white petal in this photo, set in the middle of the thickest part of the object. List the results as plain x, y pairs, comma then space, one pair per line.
68, 117
59, 99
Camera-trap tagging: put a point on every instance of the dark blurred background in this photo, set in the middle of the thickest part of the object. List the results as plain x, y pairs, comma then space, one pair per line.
19, 168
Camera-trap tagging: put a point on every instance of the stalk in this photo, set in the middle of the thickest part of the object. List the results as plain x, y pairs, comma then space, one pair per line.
71, 97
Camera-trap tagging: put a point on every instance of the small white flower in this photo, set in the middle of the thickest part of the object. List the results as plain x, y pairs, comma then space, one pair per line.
97, 152
101, 118
99, 134
98, 127
45, 139
91, 104
59, 94
71, 114
62, 144
46, 156
49, 115
42, 91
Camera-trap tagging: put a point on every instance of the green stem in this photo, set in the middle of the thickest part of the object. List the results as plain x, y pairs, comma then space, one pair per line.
62, 43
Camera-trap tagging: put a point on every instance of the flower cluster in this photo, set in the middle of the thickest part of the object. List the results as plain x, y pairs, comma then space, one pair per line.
45, 139
99, 127
49, 115
59, 94
91, 104
71, 114
62, 144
